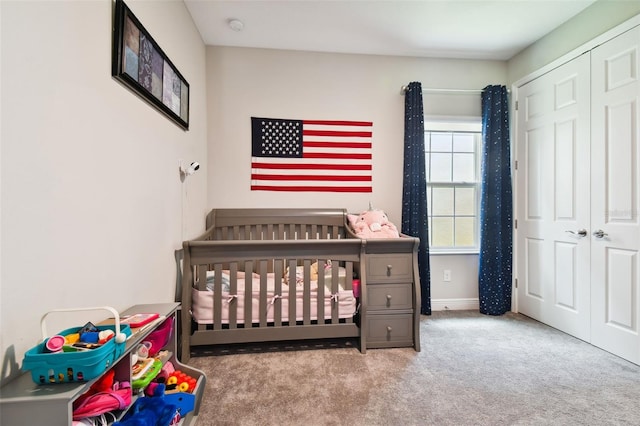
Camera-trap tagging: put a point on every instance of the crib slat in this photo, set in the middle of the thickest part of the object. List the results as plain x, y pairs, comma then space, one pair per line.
348, 283
217, 297
291, 284
262, 297
335, 232
201, 280
231, 302
335, 305
292, 300
321, 291
306, 294
274, 303
201, 277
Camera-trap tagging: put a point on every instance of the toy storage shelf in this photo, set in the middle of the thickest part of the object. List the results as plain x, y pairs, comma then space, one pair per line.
22, 402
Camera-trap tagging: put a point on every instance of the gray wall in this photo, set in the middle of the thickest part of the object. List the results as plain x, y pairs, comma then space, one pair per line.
92, 203
290, 84
590, 23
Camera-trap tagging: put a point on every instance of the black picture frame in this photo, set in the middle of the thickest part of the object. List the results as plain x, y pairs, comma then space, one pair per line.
141, 65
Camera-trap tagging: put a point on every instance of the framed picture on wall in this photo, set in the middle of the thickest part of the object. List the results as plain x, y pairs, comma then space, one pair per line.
140, 64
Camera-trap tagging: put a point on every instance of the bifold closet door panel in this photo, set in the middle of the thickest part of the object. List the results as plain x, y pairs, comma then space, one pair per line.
615, 186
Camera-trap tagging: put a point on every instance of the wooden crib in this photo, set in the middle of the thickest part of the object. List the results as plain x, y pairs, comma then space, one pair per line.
261, 275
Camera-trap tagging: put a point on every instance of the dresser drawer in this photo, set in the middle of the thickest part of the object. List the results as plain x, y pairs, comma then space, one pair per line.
386, 297
389, 330
390, 267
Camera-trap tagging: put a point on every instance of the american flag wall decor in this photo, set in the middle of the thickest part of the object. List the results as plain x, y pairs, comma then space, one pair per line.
310, 155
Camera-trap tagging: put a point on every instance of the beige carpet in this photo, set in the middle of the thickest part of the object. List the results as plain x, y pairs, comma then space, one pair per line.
473, 370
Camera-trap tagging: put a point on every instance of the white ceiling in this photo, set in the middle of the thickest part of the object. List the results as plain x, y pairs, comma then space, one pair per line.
473, 29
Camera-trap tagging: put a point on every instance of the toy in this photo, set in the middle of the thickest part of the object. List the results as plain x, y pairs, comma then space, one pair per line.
105, 335
166, 371
158, 338
146, 374
55, 343
138, 320
173, 387
155, 389
313, 272
180, 382
105, 395
149, 412
372, 223
104, 383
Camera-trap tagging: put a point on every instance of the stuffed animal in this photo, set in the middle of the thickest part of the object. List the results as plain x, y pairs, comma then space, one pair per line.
373, 223
150, 412
313, 272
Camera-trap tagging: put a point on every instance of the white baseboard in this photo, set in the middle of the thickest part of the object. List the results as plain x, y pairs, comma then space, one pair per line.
454, 304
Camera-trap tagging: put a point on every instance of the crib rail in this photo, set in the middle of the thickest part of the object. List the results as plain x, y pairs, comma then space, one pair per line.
275, 224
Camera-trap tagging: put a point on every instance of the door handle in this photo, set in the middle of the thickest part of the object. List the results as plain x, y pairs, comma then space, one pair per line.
581, 233
600, 234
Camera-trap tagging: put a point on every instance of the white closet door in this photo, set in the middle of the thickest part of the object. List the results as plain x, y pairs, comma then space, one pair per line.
615, 187
553, 198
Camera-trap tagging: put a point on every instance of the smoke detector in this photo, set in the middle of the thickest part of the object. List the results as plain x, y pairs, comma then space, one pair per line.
236, 25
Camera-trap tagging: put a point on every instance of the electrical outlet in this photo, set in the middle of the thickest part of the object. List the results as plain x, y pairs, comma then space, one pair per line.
446, 276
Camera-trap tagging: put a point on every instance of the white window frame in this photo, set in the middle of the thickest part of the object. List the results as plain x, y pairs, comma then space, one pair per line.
457, 125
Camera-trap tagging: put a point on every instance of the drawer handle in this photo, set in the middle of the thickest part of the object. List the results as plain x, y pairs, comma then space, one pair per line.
389, 329
389, 267
388, 300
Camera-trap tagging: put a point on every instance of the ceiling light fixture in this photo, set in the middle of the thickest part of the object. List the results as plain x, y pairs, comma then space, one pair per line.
236, 24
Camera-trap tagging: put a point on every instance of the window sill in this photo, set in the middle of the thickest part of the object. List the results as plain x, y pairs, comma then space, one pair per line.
452, 252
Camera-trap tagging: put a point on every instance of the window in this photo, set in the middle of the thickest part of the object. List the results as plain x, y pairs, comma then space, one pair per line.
452, 157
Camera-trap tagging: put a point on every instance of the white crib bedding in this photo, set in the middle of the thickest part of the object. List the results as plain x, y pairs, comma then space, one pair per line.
202, 309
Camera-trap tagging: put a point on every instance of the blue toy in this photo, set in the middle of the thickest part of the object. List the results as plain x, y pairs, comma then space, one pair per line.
148, 411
